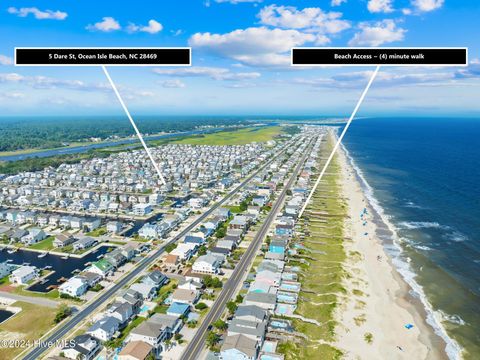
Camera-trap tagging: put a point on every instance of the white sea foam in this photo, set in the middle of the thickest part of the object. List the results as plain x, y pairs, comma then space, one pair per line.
434, 318
454, 319
457, 236
411, 225
422, 247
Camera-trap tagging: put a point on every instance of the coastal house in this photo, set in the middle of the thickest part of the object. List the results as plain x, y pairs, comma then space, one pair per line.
136, 350
84, 243
104, 329
84, 347
184, 251
251, 313
209, 264
252, 329
63, 239
122, 311
102, 267
189, 297
114, 227
148, 291
74, 287
239, 347
23, 275
155, 279
178, 309
34, 235
265, 301
150, 332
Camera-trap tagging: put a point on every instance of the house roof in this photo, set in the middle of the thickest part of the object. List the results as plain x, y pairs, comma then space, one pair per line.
184, 294
241, 343
178, 308
137, 349
247, 327
250, 310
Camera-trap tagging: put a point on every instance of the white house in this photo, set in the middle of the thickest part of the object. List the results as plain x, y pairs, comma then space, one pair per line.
23, 275
184, 251
104, 329
209, 264
142, 209
34, 235
74, 287
5, 269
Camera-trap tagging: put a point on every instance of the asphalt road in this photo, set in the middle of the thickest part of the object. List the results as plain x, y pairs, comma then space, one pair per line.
69, 324
196, 345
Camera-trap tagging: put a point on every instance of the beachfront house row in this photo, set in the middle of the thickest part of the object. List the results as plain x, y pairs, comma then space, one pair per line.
263, 300
84, 347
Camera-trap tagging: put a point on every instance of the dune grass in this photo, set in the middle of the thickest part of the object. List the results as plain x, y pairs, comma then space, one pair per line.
322, 278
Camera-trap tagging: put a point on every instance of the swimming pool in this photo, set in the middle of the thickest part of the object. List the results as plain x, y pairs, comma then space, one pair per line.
290, 287
286, 297
269, 346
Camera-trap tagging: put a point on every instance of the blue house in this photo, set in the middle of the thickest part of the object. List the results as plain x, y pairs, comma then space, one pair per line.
277, 246
156, 279
284, 230
178, 309
191, 239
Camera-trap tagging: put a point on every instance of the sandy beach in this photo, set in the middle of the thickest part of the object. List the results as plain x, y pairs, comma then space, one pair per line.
383, 306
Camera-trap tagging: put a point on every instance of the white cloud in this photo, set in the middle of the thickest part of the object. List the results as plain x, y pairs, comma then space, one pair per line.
44, 82
378, 33
107, 24
313, 19
252, 46
337, 2
380, 6
39, 14
427, 5
471, 71
358, 79
5, 60
153, 27
174, 83
215, 73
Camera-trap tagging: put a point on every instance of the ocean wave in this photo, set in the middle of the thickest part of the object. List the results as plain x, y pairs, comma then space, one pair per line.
456, 236
412, 225
434, 318
454, 319
422, 247
411, 204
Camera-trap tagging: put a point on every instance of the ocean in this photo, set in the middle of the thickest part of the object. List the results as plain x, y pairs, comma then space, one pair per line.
422, 176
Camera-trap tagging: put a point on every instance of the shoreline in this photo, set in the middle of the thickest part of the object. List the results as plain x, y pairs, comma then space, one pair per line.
390, 303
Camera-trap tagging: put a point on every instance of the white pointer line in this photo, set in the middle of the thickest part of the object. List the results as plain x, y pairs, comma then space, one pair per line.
339, 140
155, 165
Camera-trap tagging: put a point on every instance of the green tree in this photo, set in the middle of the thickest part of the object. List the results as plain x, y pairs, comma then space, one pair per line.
231, 306
212, 339
220, 325
63, 312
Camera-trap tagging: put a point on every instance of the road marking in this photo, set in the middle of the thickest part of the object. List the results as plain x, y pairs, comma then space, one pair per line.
155, 165
339, 141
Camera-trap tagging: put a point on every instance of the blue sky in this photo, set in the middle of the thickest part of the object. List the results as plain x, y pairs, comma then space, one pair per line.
240, 57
